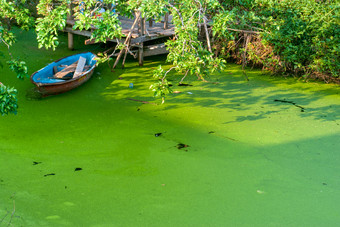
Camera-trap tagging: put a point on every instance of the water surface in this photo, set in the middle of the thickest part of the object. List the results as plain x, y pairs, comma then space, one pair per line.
222, 153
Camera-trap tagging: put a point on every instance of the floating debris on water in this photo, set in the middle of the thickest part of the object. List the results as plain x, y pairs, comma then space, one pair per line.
260, 192
181, 146
291, 102
185, 85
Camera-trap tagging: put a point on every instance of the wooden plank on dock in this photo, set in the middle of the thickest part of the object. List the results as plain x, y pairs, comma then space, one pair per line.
155, 50
136, 37
78, 32
156, 29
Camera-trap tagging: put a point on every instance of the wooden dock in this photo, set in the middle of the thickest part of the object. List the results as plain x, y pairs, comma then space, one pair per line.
144, 31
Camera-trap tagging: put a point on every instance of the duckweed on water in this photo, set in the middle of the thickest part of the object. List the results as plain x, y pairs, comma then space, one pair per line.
252, 161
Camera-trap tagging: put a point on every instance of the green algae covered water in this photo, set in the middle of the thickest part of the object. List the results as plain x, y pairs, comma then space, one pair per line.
223, 153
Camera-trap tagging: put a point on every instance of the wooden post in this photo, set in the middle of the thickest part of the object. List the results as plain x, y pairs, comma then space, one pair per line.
140, 48
166, 21
144, 26
69, 34
70, 41
123, 63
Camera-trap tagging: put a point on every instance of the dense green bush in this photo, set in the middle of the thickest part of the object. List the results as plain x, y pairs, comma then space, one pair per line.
293, 36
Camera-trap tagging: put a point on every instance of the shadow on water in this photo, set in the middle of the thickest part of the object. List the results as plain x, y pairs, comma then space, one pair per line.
262, 95
160, 182
266, 96
207, 152
225, 91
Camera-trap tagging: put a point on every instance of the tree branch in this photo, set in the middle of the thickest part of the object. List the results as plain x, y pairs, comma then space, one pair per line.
207, 33
244, 31
127, 40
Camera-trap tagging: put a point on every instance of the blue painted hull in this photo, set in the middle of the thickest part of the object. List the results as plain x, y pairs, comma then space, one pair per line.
47, 85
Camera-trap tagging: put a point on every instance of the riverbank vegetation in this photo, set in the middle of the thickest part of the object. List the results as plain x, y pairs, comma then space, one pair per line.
290, 37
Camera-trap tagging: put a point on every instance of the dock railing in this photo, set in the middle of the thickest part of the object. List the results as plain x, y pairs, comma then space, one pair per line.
137, 37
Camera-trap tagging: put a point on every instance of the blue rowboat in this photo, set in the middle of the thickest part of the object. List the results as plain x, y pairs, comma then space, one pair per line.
48, 85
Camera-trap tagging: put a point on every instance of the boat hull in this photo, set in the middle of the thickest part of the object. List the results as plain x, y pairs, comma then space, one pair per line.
60, 86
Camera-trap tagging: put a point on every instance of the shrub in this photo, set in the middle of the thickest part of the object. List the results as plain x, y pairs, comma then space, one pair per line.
292, 36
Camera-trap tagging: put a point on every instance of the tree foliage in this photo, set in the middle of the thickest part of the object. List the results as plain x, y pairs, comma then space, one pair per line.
8, 100
18, 13
292, 36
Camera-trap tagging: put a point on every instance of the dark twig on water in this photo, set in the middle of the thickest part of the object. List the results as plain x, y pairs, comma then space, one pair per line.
291, 102
4, 217
12, 215
145, 102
